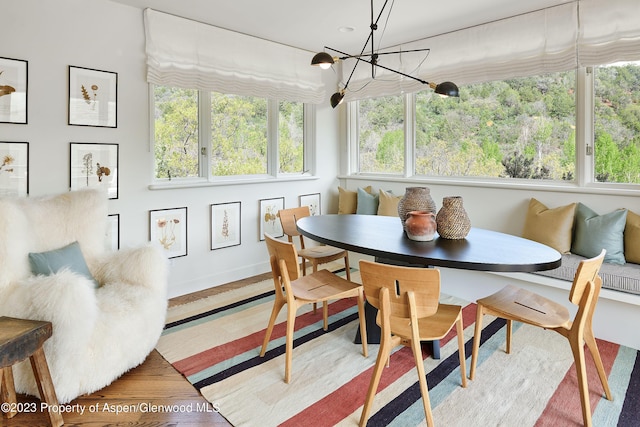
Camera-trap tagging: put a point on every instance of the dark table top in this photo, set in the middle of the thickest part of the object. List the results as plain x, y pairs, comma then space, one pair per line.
383, 237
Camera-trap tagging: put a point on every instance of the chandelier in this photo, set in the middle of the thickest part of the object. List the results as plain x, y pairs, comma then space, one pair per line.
324, 60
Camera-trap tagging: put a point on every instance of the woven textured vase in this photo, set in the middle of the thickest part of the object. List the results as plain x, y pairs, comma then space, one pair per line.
452, 220
415, 199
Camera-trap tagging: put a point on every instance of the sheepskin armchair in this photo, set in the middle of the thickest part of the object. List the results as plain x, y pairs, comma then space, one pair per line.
98, 333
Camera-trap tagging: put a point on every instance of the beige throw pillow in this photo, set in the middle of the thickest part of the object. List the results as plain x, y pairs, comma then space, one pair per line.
632, 238
388, 205
348, 200
552, 227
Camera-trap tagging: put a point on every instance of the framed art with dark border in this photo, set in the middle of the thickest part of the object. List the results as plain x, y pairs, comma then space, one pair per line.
94, 165
93, 97
313, 201
225, 225
112, 233
168, 228
14, 169
13, 90
269, 217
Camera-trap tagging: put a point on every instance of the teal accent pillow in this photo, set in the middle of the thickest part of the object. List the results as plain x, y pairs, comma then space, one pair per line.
50, 262
367, 203
595, 232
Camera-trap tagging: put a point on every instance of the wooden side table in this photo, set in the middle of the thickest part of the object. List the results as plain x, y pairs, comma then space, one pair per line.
19, 339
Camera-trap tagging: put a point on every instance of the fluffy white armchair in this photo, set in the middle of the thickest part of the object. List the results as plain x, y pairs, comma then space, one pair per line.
98, 334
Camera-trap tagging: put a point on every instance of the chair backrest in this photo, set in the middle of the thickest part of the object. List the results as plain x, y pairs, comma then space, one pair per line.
288, 218
424, 283
280, 251
585, 289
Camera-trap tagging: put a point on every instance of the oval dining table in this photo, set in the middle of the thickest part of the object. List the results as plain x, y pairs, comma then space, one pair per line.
384, 238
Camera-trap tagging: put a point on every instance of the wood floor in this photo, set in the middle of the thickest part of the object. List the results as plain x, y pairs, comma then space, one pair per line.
144, 392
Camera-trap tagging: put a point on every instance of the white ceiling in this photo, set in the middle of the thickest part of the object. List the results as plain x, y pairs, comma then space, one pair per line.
313, 24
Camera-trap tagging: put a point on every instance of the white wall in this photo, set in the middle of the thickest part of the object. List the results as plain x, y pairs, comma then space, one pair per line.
99, 34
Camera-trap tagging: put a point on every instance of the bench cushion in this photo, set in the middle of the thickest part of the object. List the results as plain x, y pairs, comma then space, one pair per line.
624, 278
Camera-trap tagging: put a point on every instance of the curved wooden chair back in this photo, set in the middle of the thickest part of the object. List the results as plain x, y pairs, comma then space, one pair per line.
424, 283
284, 261
288, 218
587, 272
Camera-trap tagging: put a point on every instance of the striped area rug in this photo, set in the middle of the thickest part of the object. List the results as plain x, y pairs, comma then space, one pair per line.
215, 343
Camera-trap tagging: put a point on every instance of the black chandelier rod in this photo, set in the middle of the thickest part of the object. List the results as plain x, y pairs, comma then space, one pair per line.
375, 64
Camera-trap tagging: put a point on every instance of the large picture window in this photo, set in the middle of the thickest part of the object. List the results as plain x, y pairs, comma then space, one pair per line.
520, 128
212, 135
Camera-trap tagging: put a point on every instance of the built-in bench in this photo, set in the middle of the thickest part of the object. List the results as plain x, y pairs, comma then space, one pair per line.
623, 278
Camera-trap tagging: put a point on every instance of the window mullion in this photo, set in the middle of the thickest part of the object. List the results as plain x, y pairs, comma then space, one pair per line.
409, 134
273, 162
585, 126
204, 132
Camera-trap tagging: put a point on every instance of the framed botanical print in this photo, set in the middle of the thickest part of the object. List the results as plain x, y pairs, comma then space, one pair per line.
13, 90
14, 168
93, 97
225, 225
313, 201
168, 228
112, 233
94, 165
269, 217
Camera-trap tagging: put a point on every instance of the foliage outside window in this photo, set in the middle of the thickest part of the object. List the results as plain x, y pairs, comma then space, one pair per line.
241, 135
617, 123
517, 128
381, 136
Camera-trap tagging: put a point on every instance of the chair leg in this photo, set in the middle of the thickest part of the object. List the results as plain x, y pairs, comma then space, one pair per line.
422, 380
384, 352
476, 340
509, 333
325, 315
8, 390
577, 348
45, 385
277, 306
291, 320
363, 323
595, 353
463, 363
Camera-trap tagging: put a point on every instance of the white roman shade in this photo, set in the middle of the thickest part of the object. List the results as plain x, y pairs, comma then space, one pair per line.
533, 43
609, 31
188, 54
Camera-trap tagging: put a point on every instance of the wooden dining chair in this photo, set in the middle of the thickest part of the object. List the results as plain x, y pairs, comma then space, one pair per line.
295, 290
409, 311
516, 304
316, 255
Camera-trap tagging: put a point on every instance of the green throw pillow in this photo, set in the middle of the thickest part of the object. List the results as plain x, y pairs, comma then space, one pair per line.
367, 203
50, 262
595, 232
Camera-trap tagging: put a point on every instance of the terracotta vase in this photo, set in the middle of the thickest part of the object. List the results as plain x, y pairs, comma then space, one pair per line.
421, 225
415, 199
452, 220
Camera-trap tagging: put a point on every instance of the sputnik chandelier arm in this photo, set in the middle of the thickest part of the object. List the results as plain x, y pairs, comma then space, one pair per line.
325, 60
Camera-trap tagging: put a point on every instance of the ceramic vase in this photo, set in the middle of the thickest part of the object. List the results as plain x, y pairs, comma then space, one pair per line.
452, 220
421, 225
415, 199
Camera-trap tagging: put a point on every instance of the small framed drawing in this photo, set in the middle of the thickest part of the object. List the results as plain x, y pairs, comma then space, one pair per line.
168, 227
94, 165
269, 218
112, 233
313, 201
14, 169
93, 97
13, 91
225, 225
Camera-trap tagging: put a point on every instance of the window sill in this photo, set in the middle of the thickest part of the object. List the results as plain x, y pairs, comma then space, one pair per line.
196, 183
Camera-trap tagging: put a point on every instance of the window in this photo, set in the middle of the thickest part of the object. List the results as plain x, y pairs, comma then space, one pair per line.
381, 136
212, 135
617, 123
517, 128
